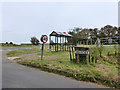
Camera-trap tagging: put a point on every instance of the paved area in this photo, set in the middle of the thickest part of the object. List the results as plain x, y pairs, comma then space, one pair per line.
18, 76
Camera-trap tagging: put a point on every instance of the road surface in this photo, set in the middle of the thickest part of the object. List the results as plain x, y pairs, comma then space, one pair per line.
18, 76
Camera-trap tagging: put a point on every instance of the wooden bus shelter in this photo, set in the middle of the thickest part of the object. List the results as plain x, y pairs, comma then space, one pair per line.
60, 42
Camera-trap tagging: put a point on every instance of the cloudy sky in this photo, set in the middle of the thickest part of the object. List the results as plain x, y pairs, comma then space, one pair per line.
23, 20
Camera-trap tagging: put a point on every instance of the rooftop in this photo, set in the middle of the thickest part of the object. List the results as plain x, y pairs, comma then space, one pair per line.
58, 34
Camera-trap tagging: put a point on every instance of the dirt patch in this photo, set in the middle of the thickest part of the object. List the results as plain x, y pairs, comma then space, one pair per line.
12, 58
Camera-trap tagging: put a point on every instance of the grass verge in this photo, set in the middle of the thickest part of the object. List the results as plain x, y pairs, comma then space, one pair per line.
22, 51
103, 72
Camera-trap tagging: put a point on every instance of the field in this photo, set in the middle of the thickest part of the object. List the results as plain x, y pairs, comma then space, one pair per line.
104, 71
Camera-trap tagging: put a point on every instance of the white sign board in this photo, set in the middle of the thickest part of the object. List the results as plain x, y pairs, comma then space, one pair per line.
82, 52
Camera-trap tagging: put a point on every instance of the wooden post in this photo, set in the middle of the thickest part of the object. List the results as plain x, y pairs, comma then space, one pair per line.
77, 58
50, 43
70, 54
55, 43
87, 59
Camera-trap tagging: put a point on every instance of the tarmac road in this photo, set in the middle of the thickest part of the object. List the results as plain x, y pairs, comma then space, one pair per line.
18, 76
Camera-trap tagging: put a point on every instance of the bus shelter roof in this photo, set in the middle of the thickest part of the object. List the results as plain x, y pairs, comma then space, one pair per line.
60, 34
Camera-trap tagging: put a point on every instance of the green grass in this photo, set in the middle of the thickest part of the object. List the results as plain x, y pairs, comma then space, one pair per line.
51, 53
22, 51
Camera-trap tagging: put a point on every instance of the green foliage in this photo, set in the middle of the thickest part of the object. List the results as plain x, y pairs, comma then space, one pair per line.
108, 31
94, 55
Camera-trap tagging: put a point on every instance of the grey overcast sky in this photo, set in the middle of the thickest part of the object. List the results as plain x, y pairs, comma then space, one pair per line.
23, 20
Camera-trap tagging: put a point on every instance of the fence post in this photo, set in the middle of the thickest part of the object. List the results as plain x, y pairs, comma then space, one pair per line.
87, 59
73, 52
70, 54
77, 58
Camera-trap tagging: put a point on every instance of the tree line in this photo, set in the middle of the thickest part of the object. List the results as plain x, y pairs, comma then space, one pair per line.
93, 33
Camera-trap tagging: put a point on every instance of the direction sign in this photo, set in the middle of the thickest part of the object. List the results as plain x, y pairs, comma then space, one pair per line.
82, 52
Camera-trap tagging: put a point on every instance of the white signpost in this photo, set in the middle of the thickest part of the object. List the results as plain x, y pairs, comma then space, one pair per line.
82, 52
44, 39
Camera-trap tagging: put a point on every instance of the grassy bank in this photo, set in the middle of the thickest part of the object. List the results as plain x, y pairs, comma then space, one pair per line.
101, 73
105, 71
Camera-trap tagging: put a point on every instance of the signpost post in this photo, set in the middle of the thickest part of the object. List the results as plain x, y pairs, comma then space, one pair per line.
44, 39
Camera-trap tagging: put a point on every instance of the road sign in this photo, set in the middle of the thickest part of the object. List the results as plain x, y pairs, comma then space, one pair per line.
44, 38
